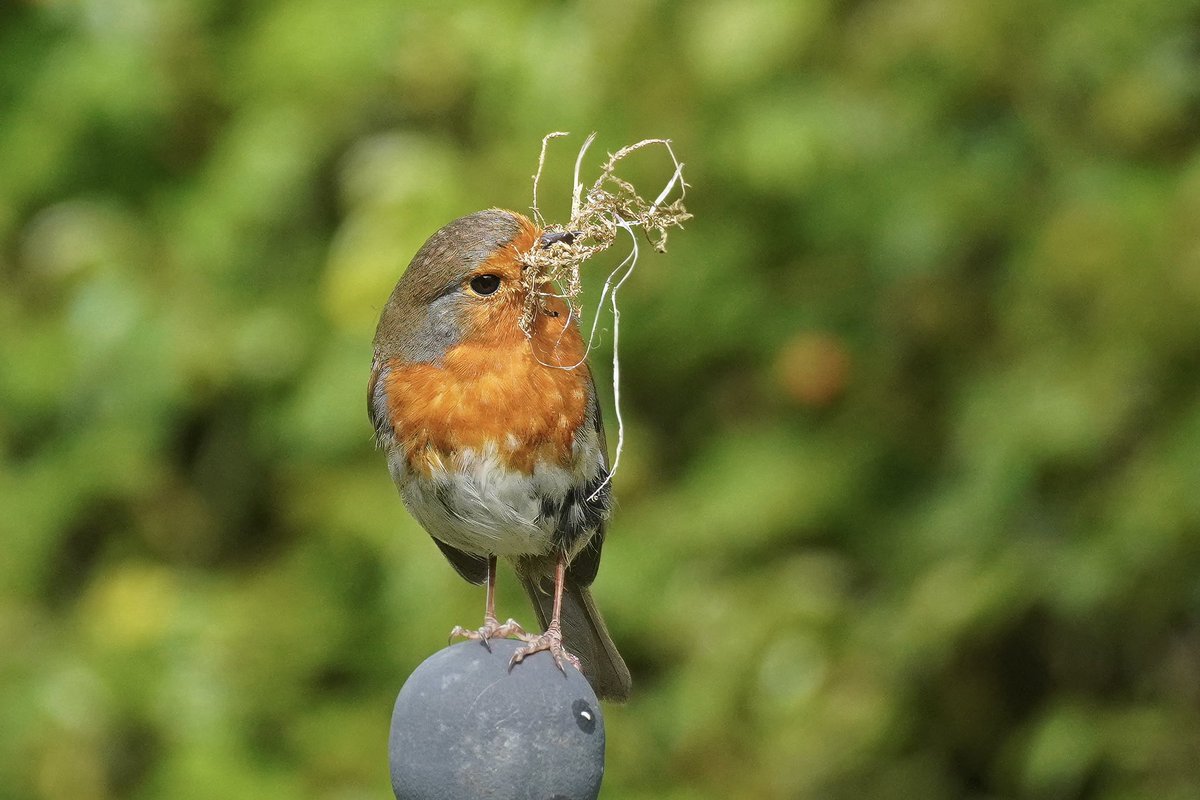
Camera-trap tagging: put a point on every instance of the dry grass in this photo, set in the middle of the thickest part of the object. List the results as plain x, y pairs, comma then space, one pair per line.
598, 214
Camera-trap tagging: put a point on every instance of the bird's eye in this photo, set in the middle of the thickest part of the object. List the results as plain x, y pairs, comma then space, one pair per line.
485, 284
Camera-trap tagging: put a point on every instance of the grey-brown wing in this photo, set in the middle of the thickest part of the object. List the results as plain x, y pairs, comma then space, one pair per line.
472, 568
586, 563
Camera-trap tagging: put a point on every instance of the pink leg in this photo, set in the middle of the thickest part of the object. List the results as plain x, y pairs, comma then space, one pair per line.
491, 626
552, 639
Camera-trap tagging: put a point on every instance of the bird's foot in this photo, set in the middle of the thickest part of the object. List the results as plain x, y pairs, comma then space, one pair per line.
492, 629
550, 641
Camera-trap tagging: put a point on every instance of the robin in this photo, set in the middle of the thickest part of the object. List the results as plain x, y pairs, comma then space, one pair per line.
494, 436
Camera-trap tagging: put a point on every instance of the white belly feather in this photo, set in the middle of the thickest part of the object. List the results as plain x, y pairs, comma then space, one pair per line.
480, 506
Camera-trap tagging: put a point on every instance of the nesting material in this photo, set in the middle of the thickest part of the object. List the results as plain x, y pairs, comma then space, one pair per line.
598, 215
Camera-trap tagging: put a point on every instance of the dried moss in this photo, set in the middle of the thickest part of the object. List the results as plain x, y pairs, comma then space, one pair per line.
598, 214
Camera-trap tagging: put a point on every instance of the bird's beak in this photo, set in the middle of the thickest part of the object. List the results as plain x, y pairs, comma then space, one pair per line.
550, 237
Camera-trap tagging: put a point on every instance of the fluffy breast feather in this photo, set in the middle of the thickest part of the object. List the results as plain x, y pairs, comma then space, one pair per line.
510, 394
496, 447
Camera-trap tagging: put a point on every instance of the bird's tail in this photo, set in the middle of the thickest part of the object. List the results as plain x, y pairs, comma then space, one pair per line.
584, 635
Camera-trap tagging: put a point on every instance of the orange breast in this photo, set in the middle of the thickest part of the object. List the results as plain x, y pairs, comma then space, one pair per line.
494, 390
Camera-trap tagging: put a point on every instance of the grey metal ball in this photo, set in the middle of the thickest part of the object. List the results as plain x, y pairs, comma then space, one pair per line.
465, 726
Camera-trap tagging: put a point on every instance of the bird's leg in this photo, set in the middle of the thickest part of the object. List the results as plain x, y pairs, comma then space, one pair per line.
492, 627
552, 639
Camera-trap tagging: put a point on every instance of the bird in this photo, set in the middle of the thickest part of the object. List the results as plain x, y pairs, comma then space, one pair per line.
494, 435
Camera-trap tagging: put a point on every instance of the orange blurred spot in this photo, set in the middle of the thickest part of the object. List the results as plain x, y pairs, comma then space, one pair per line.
813, 369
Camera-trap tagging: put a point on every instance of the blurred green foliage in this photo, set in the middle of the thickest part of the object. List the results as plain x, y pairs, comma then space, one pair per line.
909, 504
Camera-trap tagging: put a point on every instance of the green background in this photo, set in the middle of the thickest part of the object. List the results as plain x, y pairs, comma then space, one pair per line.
909, 506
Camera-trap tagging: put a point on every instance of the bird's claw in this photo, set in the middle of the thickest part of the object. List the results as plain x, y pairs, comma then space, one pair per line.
550, 641
491, 629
